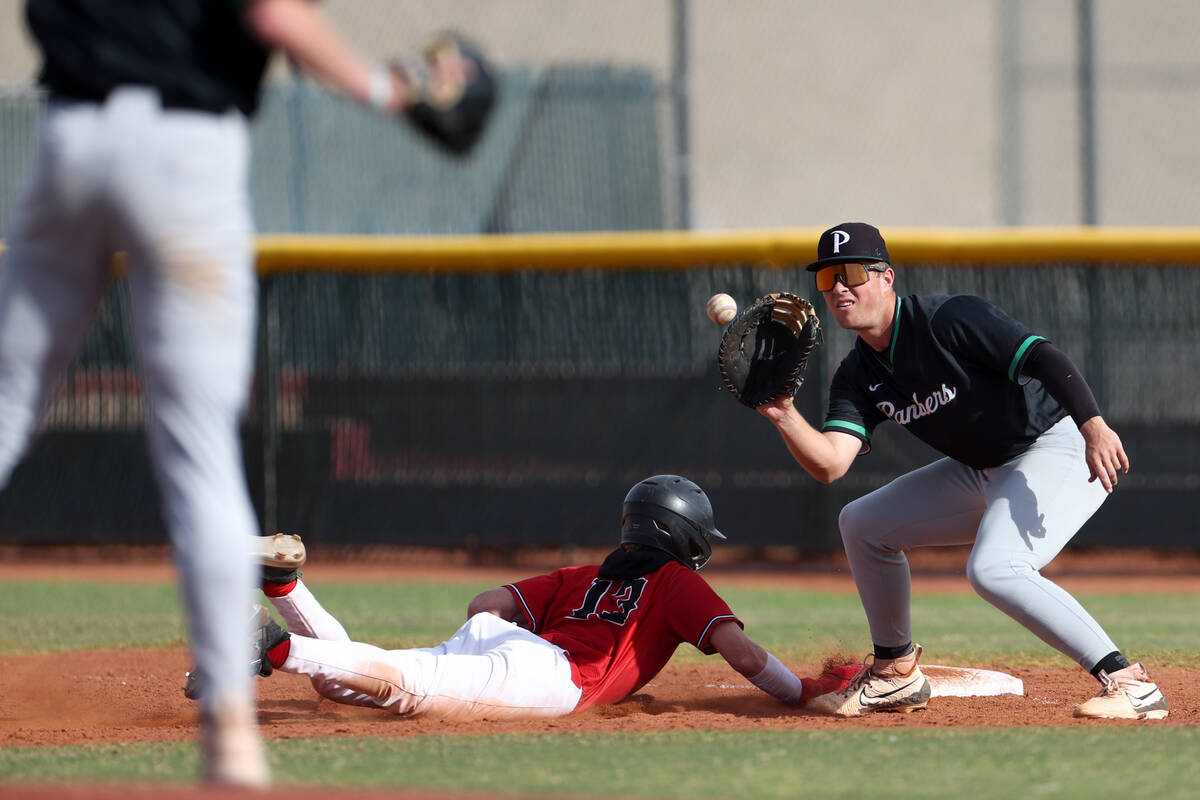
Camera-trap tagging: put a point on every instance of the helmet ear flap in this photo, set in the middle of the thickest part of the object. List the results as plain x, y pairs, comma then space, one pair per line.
691, 544
701, 551
653, 527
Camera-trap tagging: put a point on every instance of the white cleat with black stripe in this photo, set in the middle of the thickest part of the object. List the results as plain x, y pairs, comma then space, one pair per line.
1126, 694
878, 687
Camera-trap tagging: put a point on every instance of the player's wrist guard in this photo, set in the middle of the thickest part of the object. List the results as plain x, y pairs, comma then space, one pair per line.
780, 682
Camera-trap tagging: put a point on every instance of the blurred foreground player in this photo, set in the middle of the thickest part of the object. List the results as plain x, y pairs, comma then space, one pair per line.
144, 148
549, 645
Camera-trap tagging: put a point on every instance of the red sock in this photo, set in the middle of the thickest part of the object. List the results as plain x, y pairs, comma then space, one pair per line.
279, 653
278, 589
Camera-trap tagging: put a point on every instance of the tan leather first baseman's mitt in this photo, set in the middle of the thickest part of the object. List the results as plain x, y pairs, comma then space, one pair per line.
764, 350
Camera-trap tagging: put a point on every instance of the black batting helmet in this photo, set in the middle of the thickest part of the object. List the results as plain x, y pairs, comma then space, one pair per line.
670, 513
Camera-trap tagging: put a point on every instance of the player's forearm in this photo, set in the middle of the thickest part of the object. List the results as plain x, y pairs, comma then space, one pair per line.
748, 657
739, 650
308, 38
813, 450
1062, 380
755, 664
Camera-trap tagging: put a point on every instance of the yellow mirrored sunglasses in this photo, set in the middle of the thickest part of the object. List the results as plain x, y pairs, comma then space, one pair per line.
851, 274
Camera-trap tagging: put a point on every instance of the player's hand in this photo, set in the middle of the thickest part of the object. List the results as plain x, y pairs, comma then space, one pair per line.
777, 410
1104, 454
443, 74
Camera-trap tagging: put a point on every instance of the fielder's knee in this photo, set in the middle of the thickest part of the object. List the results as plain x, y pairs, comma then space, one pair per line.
852, 521
860, 525
992, 579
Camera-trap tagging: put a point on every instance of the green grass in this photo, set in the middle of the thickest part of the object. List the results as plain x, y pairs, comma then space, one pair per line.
966, 762
51, 617
801, 626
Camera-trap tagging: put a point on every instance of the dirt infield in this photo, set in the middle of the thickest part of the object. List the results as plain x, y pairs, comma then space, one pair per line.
134, 696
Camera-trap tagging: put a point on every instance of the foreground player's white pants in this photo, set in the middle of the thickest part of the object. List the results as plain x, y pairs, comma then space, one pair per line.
488, 668
168, 187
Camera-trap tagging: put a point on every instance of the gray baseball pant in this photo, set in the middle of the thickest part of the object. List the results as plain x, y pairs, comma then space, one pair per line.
1018, 515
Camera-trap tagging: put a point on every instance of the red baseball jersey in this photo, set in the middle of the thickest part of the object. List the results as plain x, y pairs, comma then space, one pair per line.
618, 633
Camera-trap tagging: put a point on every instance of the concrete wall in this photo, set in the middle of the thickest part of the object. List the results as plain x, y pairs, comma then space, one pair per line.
808, 113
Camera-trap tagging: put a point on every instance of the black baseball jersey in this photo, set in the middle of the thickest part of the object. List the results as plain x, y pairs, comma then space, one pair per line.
952, 377
195, 52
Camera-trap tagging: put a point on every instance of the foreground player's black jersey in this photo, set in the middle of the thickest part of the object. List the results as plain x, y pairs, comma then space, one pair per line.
195, 52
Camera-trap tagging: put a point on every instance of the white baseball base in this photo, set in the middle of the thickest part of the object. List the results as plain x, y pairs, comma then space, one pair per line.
968, 682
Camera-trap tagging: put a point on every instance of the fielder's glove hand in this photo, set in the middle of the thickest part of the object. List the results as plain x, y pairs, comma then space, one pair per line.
452, 92
764, 350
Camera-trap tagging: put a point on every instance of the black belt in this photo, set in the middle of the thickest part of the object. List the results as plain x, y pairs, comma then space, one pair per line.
168, 101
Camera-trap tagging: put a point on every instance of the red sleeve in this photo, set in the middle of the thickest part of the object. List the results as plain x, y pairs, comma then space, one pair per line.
534, 595
696, 609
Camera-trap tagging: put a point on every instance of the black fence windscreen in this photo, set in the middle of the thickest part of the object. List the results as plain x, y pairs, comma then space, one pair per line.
516, 408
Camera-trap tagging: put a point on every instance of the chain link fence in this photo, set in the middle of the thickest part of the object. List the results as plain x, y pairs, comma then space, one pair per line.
508, 408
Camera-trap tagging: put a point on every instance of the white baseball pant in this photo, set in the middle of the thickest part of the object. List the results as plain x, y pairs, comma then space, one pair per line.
489, 668
169, 188
1019, 516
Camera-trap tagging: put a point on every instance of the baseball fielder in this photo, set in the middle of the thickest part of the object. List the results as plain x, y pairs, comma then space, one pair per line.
549, 645
1028, 460
144, 147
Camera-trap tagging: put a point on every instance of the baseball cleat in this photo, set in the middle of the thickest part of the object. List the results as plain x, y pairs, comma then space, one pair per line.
877, 687
234, 755
283, 550
1126, 694
281, 557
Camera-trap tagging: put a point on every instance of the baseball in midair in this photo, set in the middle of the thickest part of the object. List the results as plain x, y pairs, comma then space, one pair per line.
721, 308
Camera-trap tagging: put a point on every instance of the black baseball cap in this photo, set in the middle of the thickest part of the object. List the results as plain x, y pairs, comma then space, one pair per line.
850, 242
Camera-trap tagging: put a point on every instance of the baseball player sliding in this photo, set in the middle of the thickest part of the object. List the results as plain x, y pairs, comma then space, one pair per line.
144, 148
1028, 460
549, 645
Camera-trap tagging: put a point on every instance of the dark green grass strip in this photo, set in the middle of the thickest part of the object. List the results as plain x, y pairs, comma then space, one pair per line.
963, 763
